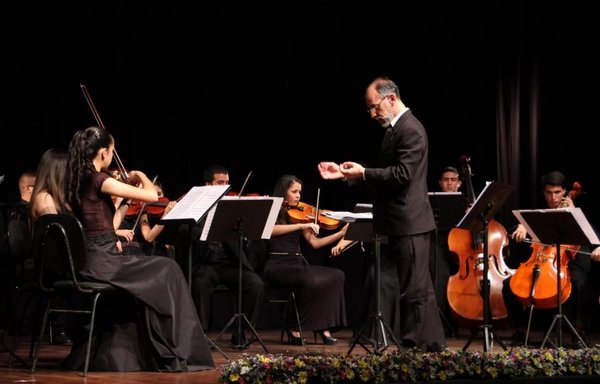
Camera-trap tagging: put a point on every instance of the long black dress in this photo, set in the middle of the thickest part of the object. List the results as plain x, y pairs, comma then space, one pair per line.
172, 338
319, 290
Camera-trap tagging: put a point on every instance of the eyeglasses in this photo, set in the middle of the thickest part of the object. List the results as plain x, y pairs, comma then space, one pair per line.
373, 107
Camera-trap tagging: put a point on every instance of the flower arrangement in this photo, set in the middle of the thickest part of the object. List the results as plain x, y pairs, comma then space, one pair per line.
410, 366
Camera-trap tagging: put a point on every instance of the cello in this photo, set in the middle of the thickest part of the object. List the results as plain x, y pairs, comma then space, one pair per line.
535, 281
464, 291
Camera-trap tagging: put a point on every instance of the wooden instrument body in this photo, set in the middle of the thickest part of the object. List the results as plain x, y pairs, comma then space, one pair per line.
542, 290
464, 290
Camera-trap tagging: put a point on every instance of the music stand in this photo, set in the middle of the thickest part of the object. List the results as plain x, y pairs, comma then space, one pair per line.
448, 208
192, 208
241, 218
362, 230
558, 226
477, 218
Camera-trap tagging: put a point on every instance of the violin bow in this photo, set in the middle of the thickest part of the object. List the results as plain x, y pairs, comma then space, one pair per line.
139, 215
528, 241
244, 185
88, 98
317, 206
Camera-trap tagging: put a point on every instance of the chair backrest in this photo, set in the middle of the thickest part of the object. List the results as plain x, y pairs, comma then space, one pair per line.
18, 249
19, 240
58, 248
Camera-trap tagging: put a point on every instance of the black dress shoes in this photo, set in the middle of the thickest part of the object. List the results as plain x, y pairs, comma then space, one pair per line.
327, 340
294, 340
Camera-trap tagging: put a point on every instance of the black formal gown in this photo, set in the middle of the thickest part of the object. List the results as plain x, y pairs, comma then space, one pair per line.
171, 338
319, 290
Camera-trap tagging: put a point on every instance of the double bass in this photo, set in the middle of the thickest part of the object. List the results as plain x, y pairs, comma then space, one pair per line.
465, 288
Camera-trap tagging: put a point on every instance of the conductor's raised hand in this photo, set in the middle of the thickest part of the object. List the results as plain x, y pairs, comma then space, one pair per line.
329, 170
352, 170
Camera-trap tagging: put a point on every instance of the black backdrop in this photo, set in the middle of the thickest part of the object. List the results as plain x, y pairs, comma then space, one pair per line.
276, 86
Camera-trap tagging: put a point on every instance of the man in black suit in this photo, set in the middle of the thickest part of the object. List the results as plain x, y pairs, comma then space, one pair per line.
401, 209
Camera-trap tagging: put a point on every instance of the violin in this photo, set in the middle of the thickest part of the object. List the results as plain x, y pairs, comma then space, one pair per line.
306, 213
155, 209
535, 282
233, 193
465, 289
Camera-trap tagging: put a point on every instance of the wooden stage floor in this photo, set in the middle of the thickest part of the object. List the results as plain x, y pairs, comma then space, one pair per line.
48, 371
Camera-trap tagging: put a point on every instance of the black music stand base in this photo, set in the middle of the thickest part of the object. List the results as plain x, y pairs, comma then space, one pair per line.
239, 319
375, 321
559, 317
213, 345
379, 341
488, 338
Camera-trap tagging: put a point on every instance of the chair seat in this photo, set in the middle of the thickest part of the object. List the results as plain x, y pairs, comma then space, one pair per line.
89, 286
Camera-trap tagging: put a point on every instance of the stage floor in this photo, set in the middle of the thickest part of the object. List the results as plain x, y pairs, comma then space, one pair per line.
48, 371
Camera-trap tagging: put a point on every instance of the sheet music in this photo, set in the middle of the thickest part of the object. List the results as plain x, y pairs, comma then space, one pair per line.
489, 201
576, 213
347, 216
444, 193
196, 202
487, 184
277, 201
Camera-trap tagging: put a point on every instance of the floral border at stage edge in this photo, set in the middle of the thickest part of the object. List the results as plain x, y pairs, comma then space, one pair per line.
410, 366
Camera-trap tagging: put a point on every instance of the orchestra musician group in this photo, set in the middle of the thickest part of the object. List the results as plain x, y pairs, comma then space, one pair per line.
176, 319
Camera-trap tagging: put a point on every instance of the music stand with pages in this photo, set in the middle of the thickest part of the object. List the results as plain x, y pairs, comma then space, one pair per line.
558, 226
361, 229
476, 219
448, 208
191, 209
241, 218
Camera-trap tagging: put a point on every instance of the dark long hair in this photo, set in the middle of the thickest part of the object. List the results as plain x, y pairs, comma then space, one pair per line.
280, 190
83, 147
51, 174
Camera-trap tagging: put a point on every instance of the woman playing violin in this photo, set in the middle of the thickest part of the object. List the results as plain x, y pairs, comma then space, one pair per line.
556, 195
156, 282
319, 289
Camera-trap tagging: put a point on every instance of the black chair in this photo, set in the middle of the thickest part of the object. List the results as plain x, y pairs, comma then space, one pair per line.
257, 256
286, 297
19, 251
60, 252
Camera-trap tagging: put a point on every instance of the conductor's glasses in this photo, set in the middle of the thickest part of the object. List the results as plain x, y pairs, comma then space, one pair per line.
373, 107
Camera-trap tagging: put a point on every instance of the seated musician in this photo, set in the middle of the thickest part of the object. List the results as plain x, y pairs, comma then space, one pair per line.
140, 231
554, 188
216, 263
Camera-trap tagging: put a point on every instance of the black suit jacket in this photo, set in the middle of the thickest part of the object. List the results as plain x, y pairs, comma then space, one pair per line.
401, 205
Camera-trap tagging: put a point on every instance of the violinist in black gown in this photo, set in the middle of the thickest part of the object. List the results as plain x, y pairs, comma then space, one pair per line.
319, 289
170, 337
